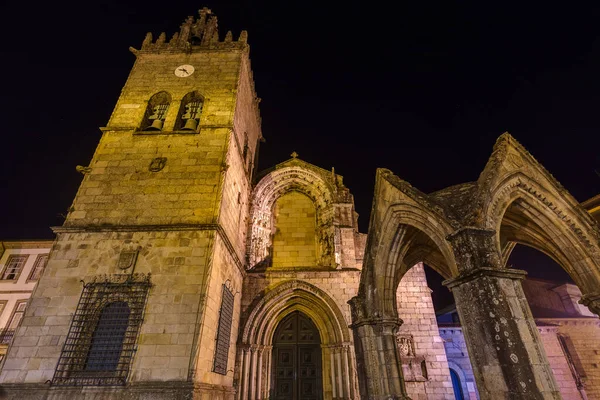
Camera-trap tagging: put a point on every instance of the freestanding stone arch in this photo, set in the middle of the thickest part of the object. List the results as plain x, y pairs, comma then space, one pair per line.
467, 232
259, 324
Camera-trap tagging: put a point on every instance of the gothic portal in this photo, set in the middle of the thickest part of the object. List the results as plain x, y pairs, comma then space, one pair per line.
296, 359
182, 273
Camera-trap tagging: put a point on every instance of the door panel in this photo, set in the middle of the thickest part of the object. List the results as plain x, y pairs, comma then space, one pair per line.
297, 360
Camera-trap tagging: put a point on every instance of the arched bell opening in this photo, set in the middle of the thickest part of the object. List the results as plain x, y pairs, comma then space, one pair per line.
156, 112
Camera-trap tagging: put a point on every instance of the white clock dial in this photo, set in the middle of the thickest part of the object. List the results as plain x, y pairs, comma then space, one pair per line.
184, 71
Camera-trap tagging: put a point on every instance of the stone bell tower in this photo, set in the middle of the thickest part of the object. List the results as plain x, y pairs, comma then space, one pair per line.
142, 288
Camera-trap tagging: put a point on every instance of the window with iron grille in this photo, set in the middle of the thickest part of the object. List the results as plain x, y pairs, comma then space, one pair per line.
224, 332
102, 338
18, 312
38, 267
13, 268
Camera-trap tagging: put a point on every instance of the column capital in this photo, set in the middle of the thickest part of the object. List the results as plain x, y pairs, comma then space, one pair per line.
503, 273
474, 248
364, 314
385, 325
591, 301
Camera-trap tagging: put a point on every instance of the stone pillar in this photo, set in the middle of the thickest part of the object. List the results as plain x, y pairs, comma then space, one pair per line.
245, 371
505, 348
332, 371
338, 371
259, 372
252, 376
379, 368
267, 354
346, 371
504, 345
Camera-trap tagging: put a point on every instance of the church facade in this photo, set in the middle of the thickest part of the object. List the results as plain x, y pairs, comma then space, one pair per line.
181, 273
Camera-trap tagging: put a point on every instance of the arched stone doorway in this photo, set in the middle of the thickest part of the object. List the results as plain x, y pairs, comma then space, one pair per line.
296, 370
260, 323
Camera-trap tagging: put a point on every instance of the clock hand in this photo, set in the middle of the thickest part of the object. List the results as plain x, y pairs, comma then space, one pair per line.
184, 70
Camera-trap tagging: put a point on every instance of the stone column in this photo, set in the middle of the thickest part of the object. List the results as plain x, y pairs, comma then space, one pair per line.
259, 373
346, 370
505, 348
252, 375
332, 371
267, 354
245, 370
379, 368
338, 371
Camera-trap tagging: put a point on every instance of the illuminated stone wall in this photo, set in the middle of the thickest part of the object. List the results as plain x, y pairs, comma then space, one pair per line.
425, 370
294, 244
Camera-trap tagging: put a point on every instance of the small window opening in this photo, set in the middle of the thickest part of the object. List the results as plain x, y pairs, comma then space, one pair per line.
190, 111
156, 112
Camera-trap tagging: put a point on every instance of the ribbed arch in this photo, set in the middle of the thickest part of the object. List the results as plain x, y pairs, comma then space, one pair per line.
269, 308
267, 191
521, 210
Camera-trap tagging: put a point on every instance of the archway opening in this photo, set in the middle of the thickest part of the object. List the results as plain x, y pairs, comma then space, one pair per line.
456, 385
420, 347
296, 368
559, 268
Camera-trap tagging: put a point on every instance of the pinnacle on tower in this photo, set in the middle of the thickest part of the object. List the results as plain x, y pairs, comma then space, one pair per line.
201, 31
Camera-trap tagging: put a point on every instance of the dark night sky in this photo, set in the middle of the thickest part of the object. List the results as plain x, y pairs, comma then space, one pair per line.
423, 89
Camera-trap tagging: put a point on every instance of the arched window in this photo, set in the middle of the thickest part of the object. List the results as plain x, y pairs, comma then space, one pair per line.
101, 342
456, 385
189, 112
156, 112
107, 340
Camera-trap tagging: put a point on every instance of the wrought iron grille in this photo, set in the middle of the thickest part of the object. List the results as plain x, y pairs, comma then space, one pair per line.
102, 338
6, 336
224, 332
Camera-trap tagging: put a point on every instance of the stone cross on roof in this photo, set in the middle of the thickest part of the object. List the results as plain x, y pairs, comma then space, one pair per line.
294, 155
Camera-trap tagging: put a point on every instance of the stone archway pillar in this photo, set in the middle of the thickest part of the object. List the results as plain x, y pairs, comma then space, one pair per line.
377, 359
504, 346
505, 349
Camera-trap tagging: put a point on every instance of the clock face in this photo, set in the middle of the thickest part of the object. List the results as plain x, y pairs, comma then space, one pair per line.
184, 70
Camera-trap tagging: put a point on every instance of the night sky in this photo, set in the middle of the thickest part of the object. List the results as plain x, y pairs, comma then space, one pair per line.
423, 89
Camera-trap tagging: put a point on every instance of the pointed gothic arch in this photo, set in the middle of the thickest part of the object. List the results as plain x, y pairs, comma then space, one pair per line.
260, 321
525, 204
272, 186
406, 230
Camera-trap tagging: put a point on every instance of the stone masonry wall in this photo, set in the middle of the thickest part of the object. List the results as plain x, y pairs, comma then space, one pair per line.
415, 308
177, 262
120, 189
222, 271
558, 363
294, 242
585, 337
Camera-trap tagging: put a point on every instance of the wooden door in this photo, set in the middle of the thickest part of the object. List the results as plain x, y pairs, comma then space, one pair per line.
297, 373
